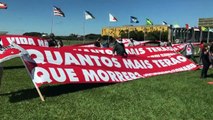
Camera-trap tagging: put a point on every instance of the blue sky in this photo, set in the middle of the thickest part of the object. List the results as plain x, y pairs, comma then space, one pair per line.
37, 15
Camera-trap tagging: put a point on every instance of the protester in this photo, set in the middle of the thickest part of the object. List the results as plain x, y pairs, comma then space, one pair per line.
131, 42
98, 43
169, 44
201, 46
119, 48
53, 42
189, 51
211, 53
206, 62
163, 43
60, 43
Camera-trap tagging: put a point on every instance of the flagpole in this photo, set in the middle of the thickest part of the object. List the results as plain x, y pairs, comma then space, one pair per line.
128, 32
175, 33
144, 33
108, 35
108, 31
51, 31
37, 89
208, 36
184, 34
83, 31
187, 35
201, 34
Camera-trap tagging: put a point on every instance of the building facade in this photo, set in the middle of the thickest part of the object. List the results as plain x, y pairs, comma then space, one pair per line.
205, 22
117, 31
180, 33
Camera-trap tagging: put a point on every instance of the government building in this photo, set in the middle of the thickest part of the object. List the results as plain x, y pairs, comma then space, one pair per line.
205, 22
180, 33
117, 31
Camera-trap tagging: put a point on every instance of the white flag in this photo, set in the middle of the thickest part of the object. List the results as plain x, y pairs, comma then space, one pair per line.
112, 18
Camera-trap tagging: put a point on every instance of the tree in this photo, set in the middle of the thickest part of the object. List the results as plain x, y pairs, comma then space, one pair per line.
35, 34
92, 36
123, 34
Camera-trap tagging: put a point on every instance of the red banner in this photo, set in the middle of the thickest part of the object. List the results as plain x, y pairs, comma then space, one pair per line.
8, 43
74, 64
6, 40
88, 65
7, 53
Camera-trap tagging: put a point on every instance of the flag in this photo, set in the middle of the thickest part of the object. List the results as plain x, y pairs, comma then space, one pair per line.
112, 18
88, 15
164, 23
3, 5
210, 30
187, 26
133, 19
176, 25
58, 12
148, 22
8, 52
204, 28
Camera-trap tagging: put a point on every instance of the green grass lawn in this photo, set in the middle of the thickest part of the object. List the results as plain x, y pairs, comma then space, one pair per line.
173, 96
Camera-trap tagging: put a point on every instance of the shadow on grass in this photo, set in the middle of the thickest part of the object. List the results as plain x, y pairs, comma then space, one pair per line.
13, 67
50, 91
210, 75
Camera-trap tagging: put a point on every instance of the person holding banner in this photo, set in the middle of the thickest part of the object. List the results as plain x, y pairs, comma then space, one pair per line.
53, 42
211, 53
201, 46
98, 43
119, 48
189, 51
131, 42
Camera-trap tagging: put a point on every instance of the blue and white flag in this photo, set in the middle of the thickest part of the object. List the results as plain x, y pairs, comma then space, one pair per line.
133, 19
164, 23
88, 15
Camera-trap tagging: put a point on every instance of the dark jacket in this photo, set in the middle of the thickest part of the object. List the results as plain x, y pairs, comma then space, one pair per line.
97, 44
211, 48
205, 57
119, 48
